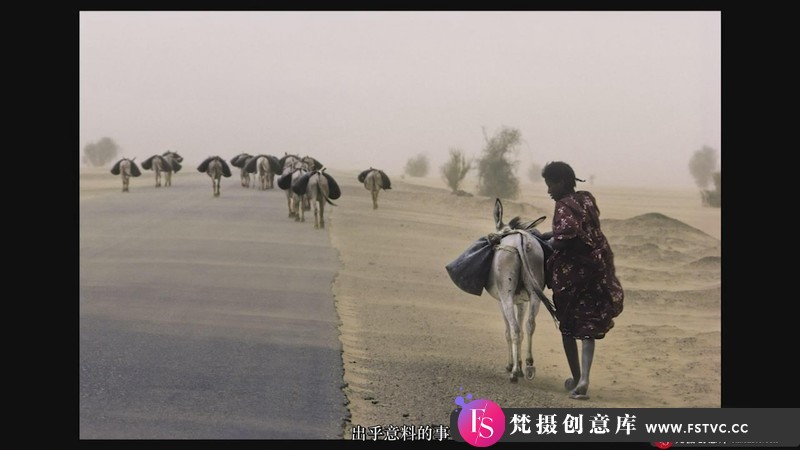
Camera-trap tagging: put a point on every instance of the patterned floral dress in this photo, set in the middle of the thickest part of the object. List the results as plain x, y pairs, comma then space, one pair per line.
586, 291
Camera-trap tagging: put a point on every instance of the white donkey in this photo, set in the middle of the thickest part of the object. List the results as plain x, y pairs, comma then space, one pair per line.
216, 168
374, 180
516, 280
320, 188
294, 170
127, 168
265, 167
241, 161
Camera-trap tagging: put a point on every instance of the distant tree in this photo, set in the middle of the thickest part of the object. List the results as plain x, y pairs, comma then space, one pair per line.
455, 169
535, 173
702, 165
417, 166
101, 152
496, 169
714, 198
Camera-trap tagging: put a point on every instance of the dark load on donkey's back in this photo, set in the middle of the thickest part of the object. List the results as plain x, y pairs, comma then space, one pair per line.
471, 269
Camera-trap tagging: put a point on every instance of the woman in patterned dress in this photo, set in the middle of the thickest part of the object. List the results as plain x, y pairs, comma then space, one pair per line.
581, 273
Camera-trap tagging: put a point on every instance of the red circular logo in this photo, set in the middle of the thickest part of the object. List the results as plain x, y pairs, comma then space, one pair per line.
663, 445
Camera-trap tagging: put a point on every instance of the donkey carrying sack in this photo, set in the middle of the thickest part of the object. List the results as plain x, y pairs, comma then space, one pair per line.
470, 270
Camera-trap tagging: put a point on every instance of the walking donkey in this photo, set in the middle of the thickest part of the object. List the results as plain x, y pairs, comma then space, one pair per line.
320, 187
241, 161
167, 163
374, 180
309, 164
216, 168
509, 264
265, 167
293, 169
127, 168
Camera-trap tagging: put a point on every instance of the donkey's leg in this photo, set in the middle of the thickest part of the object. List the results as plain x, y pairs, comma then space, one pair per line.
322, 214
375, 199
513, 332
510, 347
168, 178
289, 202
523, 318
158, 178
297, 205
532, 309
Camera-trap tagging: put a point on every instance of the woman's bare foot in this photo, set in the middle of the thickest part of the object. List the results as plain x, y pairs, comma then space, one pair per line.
579, 393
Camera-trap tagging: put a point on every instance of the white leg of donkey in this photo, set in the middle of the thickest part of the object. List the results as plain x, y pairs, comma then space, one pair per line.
126, 176
533, 310
289, 202
297, 202
316, 201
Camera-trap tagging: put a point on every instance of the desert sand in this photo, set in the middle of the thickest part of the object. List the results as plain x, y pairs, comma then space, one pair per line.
413, 341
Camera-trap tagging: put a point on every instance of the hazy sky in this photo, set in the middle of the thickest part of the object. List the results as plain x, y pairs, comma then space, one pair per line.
625, 96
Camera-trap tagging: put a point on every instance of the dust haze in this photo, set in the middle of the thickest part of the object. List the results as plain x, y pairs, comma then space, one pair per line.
625, 97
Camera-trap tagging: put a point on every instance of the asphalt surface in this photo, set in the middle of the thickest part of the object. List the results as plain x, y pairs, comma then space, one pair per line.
204, 317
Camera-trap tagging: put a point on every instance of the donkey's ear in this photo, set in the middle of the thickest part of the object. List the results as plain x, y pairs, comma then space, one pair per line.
498, 214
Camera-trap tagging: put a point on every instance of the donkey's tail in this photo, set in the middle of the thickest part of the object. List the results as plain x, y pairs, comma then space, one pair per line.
531, 284
321, 192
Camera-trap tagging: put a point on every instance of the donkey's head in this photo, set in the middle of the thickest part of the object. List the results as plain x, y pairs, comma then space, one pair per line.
312, 163
174, 155
514, 224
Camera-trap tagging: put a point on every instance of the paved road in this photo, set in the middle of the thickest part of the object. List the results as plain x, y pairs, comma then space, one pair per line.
206, 318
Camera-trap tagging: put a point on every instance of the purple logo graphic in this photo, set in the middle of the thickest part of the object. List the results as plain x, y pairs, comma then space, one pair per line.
481, 422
